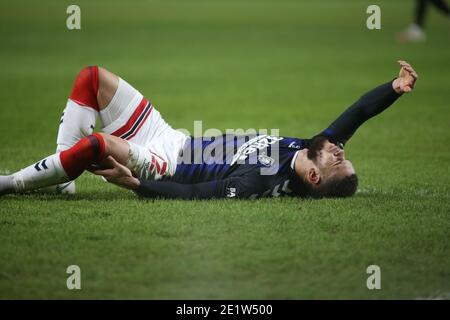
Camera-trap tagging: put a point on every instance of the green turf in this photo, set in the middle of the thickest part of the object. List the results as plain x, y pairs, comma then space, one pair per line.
233, 64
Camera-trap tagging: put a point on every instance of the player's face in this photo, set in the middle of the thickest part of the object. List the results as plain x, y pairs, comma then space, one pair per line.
330, 159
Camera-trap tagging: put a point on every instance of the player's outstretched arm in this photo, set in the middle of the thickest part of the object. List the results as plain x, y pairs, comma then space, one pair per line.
370, 104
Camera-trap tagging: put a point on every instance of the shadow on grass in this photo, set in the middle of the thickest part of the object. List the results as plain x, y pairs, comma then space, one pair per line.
122, 194
107, 195
100, 195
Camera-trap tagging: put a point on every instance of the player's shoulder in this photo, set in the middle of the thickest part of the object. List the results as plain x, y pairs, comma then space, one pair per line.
294, 143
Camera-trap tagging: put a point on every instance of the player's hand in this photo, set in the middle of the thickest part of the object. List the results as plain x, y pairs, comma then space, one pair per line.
117, 174
406, 78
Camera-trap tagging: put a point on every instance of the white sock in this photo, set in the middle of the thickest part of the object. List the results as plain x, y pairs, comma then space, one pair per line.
76, 122
46, 172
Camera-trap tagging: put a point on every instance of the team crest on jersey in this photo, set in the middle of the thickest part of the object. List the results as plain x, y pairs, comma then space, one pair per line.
265, 160
253, 145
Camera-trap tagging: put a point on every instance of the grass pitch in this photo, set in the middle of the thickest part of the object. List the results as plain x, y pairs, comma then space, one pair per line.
233, 64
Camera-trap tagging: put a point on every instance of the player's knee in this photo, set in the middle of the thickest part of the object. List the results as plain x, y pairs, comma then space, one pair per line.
116, 147
108, 85
111, 144
85, 87
105, 141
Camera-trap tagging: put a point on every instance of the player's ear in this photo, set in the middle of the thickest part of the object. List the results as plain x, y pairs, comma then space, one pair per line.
314, 176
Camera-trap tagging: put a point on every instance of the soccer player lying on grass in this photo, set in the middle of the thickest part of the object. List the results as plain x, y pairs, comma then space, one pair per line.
138, 150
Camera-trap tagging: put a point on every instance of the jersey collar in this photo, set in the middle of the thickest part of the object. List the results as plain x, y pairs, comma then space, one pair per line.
293, 160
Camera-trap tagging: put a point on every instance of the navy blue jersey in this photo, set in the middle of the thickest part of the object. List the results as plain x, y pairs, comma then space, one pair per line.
263, 160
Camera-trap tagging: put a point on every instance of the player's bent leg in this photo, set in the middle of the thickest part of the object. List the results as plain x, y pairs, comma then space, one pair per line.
93, 89
154, 145
66, 165
81, 112
123, 111
79, 117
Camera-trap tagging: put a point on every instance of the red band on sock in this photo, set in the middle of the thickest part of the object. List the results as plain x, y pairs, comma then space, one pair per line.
87, 151
85, 88
102, 146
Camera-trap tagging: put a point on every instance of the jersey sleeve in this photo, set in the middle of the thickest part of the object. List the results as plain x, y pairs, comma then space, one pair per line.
368, 106
233, 187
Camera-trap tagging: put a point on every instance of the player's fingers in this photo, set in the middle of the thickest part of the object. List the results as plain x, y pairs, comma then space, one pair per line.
407, 89
410, 78
93, 167
107, 162
114, 162
411, 72
404, 63
102, 166
108, 159
409, 69
120, 168
414, 75
106, 172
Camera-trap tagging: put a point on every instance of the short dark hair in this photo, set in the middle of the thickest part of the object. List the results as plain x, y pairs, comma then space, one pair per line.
335, 188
